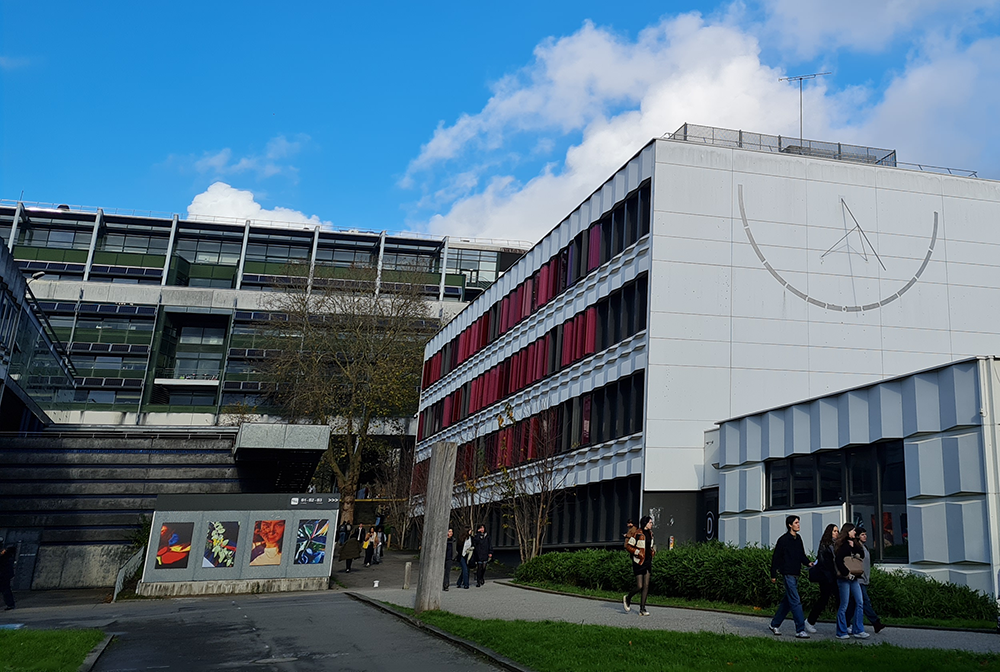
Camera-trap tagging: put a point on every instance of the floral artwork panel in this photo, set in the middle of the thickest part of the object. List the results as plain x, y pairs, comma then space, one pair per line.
310, 541
220, 543
175, 545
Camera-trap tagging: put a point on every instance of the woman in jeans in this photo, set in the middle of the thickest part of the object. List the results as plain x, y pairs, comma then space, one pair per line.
828, 582
847, 583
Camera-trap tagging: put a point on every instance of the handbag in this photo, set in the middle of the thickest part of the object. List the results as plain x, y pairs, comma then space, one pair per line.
365, 545
854, 565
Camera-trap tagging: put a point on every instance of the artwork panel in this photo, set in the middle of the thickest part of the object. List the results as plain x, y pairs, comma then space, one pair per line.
267, 540
310, 541
221, 544
175, 545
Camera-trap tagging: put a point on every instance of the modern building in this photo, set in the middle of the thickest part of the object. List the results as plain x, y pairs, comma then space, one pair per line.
715, 274
161, 314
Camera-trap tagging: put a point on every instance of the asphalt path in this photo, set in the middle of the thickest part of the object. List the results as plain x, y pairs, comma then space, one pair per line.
300, 632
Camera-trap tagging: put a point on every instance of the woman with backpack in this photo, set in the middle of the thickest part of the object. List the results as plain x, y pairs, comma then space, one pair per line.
825, 573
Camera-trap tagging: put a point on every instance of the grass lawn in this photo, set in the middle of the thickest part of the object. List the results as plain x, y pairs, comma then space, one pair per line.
48, 650
557, 647
953, 623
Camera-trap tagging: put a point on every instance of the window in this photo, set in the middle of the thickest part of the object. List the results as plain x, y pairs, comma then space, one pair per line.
875, 479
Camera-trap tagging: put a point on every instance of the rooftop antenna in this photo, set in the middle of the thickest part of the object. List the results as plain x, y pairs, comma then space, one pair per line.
800, 79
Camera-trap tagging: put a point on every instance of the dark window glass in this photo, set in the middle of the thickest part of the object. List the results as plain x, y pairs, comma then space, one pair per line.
779, 483
804, 481
892, 490
831, 478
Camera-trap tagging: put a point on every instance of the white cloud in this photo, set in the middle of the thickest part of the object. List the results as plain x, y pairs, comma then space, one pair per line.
810, 26
223, 202
273, 161
610, 95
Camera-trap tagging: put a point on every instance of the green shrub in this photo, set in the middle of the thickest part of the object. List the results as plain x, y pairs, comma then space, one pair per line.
725, 573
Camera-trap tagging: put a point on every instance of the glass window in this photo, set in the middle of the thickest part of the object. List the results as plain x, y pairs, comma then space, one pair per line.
804, 481
892, 493
779, 483
831, 478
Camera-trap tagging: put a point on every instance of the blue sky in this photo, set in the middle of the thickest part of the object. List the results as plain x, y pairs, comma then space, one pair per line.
461, 119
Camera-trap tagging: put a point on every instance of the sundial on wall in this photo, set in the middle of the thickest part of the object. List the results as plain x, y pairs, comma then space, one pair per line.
855, 242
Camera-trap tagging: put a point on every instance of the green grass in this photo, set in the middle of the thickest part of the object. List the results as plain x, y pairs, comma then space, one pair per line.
564, 647
728, 607
48, 650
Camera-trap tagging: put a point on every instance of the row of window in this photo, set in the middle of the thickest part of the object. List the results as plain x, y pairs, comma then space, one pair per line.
616, 317
604, 414
870, 479
605, 239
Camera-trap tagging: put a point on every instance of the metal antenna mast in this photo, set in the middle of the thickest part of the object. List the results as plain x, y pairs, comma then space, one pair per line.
800, 79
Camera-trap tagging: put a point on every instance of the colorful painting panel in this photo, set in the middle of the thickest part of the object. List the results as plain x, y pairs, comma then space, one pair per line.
267, 538
220, 544
310, 541
175, 545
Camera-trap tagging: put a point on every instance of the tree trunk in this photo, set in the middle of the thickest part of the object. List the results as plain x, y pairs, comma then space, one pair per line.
347, 505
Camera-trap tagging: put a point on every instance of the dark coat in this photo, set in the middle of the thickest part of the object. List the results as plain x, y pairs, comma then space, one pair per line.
7, 563
351, 550
449, 550
789, 555
482, 547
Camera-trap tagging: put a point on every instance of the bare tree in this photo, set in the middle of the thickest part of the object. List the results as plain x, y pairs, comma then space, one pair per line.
534, 485
393, 482
347, 351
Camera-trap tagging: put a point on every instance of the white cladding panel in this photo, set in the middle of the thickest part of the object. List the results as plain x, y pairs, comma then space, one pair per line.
778, 278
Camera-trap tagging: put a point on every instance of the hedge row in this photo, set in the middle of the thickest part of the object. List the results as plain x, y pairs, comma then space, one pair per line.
725, 573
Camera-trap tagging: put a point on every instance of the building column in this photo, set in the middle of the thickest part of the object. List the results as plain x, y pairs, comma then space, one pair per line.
93, 243
312, 260
243, 255
444, 268
437, 514
170, 250
13, 229
378, 269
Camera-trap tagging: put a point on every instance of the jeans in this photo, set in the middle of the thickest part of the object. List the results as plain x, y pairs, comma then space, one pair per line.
790, 602
849, 589
866, 607
464, 581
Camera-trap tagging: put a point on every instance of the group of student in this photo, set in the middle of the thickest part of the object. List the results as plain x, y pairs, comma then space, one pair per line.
477, 549
361, 540
842, 569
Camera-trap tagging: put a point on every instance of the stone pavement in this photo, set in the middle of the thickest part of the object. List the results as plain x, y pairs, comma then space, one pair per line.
502, 600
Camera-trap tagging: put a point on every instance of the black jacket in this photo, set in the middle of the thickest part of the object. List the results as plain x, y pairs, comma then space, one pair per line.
845, 550
449, 550
824, 558
482, 548
789, 556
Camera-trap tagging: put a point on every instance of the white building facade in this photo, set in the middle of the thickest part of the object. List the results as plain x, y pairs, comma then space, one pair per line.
759, 272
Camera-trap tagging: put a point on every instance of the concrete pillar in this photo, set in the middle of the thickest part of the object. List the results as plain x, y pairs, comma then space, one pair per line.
243, 255
98, 220
444, 269
378, 266
170, 250
13, 229
437, 513
312, 260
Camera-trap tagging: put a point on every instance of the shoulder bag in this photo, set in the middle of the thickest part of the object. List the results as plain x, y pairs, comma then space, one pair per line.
854, 565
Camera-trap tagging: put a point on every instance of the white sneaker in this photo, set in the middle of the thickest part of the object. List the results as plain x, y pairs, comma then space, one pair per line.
850, 630
628, 607
775, 630
843, 636
802, 635
644, 613
862, 635
810, 628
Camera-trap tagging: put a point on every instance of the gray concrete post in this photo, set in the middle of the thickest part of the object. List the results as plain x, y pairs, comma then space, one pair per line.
437, 513
406, 575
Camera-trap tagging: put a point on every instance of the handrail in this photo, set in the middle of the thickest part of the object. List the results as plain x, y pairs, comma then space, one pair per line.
127, 571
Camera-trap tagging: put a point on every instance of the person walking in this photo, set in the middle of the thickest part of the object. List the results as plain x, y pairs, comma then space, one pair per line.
866, 606
787, 560
630, 529
464, 559
351, 550
827, 575
849, 550
342, 533
7, 575
640, 546
449, 557
482, 553
371, 541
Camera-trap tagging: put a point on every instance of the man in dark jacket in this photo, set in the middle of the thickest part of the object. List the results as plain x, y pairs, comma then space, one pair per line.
482, 552
7, 574
787, 560
449, 557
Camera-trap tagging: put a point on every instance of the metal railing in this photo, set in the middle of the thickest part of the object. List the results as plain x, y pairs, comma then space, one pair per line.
175, 374
762, 142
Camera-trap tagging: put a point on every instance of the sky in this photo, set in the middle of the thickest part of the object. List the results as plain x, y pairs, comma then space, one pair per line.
462, 119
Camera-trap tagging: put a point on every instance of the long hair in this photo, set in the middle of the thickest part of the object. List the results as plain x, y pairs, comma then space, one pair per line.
827, 537
844, 536
642, 523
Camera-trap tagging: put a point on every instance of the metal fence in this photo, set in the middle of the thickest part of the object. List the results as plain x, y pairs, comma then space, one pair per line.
128, 570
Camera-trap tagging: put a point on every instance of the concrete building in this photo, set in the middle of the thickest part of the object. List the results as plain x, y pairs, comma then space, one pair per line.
160, 314
715, 274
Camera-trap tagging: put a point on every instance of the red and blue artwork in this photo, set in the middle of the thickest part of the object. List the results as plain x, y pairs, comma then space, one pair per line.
220, 545
310, 541
175, 545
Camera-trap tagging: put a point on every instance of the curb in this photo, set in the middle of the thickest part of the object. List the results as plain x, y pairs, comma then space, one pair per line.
511, 584
471, 647
95, 653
